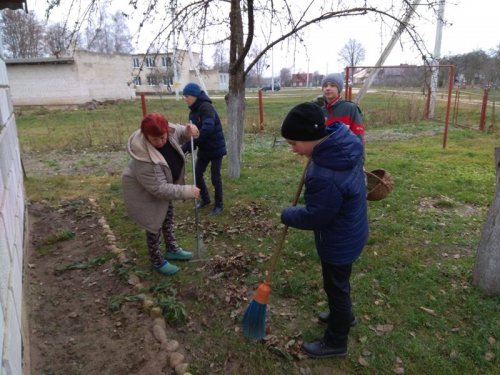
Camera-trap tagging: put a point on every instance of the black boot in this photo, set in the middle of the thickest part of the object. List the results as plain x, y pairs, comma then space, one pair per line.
325, 315
320, 349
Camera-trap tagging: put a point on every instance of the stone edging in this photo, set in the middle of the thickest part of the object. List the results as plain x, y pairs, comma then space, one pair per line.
176, 360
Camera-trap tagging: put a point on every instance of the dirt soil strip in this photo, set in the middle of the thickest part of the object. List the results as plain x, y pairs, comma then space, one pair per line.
71, 328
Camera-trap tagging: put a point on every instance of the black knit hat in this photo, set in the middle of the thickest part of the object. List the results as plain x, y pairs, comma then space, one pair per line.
304, 122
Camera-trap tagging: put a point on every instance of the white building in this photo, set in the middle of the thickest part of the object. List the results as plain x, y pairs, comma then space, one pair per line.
78, 79
88, 76
13, 328
154, 73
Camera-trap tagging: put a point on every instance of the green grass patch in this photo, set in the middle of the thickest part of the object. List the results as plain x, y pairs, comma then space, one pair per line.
412, 286
48, 243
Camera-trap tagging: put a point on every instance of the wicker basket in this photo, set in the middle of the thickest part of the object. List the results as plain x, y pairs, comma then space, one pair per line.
380, 184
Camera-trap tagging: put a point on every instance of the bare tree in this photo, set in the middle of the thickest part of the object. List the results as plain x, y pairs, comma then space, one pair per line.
121, 33
108, 33
317, 78
260, 66
285, 77
235, 21
98, 37
22, 34
477, 67
353, 53
220, 57
57, 39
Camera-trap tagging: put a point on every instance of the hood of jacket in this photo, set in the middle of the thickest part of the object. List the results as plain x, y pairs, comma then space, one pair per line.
199, 101
340, 150
140, 149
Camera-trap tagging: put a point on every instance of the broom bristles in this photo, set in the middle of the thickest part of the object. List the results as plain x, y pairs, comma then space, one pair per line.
254, 319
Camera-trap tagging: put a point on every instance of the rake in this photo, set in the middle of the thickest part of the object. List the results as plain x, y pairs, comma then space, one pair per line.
201, 250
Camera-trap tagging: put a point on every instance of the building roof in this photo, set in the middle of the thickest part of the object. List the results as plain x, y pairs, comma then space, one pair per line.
41, 61
14, 4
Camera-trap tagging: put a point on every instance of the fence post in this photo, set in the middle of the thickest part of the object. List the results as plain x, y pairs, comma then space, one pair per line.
484, 106
428, 104
261, 111
143, 105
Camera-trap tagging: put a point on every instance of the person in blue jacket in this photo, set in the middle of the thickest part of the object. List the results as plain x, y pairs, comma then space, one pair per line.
211, 144
335, 210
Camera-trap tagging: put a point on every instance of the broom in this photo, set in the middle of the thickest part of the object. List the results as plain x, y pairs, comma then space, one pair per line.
254, 319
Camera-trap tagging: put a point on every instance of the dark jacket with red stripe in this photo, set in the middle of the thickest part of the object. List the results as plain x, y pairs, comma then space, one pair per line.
347, 112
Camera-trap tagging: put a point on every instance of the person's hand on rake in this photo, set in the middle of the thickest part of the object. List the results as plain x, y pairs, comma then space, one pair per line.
193, 130
195, 191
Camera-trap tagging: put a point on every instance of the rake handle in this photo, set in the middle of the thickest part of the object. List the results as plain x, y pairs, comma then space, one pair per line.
196, 218
281, 241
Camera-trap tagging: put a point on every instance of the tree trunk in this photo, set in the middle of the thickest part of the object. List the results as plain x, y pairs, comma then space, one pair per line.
235, 99
236, 123
486, 272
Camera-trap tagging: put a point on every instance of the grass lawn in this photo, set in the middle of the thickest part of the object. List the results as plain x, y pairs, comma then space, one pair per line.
418, 311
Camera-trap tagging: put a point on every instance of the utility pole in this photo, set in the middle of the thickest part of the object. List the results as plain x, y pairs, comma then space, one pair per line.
436, 57
272, 69
371, 76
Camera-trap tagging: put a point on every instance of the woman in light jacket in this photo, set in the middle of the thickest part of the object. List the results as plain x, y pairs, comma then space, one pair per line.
154, 178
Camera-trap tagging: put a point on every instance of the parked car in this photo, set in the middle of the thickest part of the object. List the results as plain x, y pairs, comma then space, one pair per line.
269, 88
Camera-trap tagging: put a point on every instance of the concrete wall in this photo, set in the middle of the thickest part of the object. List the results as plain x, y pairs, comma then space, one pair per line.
12, 229
85, 77
214, 81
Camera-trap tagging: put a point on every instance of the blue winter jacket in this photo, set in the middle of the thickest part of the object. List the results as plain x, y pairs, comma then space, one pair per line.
211, 143
335, 198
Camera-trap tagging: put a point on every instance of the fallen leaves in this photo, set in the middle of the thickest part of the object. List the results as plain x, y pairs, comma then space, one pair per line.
229, 265
428, 311
381, 329
286, 347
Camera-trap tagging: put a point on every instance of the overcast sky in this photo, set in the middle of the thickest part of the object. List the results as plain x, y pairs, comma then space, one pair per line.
471, 25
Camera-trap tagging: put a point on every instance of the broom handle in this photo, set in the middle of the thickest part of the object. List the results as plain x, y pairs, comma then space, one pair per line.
279, 247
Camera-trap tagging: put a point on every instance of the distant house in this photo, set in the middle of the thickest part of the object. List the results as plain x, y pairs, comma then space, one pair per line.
154, 73
301, 79
77, 79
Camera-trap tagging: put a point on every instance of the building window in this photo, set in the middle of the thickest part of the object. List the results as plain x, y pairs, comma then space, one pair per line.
166, 61
135, 62
150, 62
137, 80
152, 81
167, 81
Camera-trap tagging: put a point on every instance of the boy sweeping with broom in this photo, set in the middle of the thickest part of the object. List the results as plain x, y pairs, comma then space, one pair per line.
335, 209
